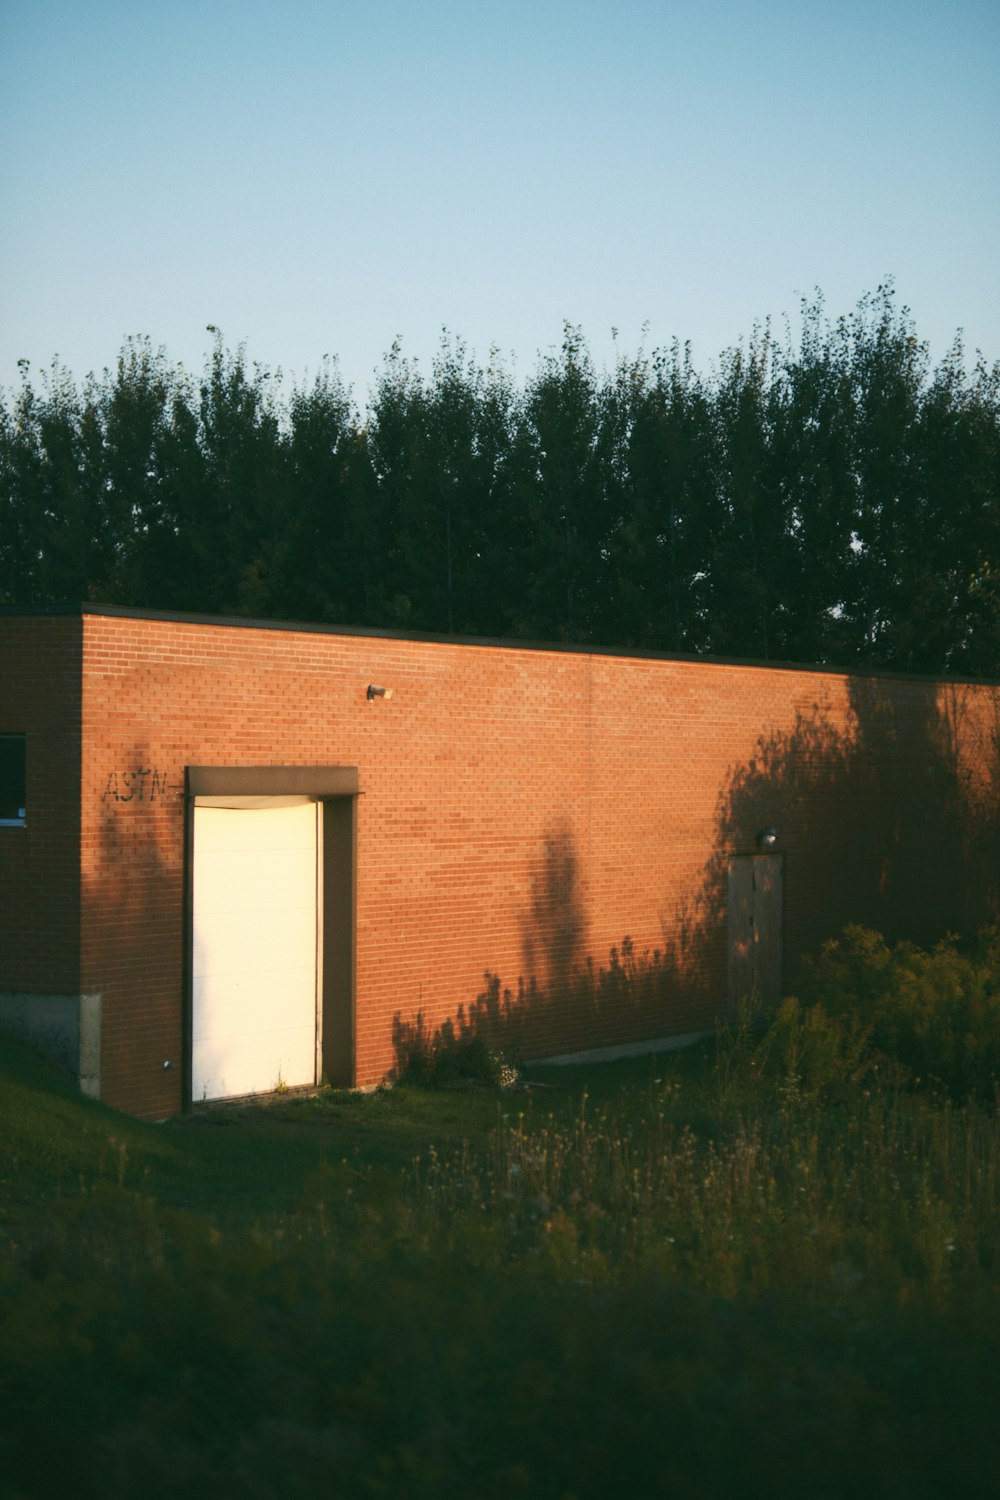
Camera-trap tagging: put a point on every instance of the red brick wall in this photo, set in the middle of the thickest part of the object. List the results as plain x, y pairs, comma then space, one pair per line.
39, 863
523, 811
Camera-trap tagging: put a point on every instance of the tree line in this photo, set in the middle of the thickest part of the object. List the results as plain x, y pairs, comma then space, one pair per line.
832, 499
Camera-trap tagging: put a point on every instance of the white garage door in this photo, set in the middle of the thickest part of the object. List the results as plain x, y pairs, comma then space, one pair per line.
254, 946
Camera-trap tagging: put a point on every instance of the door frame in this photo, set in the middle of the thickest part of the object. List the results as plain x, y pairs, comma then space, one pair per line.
335, 788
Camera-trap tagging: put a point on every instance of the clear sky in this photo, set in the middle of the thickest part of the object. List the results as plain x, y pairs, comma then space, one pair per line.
319, 176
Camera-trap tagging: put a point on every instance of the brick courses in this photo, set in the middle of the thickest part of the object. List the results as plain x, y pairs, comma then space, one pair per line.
522, 811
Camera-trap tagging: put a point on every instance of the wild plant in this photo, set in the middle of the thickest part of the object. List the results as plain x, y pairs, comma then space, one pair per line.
687, 1255
453, 1056
932, 1015
874, 1189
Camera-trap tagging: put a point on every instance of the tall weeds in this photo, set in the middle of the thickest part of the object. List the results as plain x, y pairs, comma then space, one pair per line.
880, 1193
772, 1270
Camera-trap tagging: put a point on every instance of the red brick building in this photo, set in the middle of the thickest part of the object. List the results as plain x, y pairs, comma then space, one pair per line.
238, 853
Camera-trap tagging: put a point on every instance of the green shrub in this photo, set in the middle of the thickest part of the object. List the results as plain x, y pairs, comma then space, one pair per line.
450, 1058
824, 1053
800, 1046
935, 1012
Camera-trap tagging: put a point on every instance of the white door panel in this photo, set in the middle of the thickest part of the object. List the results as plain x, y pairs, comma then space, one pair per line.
254, 948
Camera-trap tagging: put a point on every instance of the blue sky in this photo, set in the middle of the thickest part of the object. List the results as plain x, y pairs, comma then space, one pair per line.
317, 177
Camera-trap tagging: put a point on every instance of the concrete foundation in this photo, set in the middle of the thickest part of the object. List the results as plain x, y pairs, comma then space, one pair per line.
65, 1028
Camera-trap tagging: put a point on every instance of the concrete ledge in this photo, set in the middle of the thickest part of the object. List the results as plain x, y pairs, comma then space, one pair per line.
65, 1028
627, 1049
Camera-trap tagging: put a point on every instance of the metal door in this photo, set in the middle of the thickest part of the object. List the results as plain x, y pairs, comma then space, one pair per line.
755, 928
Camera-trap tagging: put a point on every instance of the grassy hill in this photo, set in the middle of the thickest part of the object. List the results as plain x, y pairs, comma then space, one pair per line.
671, 1276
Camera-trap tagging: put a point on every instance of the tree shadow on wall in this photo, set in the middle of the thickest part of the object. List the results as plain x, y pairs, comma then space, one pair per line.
554, 923
890, 820
133, 933
564, 1001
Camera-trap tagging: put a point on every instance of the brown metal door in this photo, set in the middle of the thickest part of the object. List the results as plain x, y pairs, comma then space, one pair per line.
755, 934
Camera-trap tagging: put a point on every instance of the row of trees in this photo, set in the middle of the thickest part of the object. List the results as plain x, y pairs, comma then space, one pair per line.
829, 499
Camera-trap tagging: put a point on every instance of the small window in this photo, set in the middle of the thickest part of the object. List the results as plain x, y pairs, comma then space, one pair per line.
12, 781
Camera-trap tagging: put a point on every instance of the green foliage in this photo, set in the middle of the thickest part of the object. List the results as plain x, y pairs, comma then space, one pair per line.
870, 1013
935, 1013
831, 501
801, 1047
450, 1057
652, 1284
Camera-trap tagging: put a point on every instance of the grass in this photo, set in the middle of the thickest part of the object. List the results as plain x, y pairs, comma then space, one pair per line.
687, 1275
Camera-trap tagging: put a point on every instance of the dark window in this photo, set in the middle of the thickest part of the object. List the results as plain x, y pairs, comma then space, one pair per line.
12, 785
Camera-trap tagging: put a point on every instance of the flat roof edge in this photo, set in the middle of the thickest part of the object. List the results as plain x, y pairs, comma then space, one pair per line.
503, 643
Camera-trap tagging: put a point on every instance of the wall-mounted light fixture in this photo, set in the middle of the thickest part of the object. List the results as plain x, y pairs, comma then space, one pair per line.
378, 692
766, 839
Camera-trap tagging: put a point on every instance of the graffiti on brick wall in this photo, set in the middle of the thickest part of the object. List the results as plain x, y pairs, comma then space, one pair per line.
143, 784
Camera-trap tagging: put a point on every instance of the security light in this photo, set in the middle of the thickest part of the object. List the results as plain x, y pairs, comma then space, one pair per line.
378, 692
766, 839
